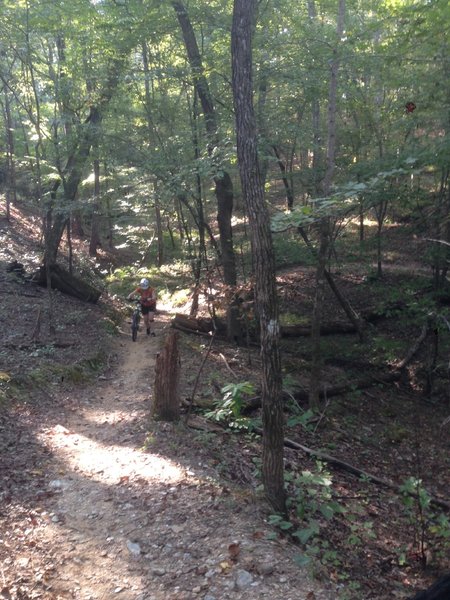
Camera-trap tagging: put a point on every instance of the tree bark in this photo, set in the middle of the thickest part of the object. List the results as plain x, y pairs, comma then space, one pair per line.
324, 226
95, 225
54, 276
159, 232
73, 170
223, 183
11, 179
244, 16
287, 187
166, 401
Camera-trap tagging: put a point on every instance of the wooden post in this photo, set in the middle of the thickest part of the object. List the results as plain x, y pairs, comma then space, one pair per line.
166, 403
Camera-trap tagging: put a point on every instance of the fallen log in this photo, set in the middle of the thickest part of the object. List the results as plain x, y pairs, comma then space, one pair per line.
205, 325
353, 386
197, 324
302, 395
67, 283
358, 384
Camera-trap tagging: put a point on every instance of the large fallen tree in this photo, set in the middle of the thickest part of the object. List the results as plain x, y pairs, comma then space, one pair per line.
205, 325
67, 283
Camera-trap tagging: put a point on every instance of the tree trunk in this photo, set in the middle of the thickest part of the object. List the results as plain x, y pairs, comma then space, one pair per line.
110, 224
69, 245
159, 232
315, 119
244, 15
76, 161
287, 187
166, 402
352, 315
224, 195
95, 225
74, 169
11, 178
316, 320
223, 183
324, 227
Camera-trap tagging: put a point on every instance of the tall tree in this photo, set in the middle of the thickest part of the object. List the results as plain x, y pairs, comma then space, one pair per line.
222, 180
244, 16
324, 225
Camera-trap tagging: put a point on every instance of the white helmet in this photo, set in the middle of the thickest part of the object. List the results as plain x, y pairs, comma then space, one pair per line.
144, 284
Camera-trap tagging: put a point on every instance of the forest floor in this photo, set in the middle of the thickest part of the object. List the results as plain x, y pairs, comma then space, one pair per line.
98, 502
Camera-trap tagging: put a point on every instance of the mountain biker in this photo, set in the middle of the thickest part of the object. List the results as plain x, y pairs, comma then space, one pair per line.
147, 297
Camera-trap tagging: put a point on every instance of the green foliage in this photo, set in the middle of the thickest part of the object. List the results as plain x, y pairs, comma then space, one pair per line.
48, 350
314, 507
229, 408
53, 373
313, 504
430, 529
168, 280
288, 318
386, 349
291, 250
179, 297
302, 418
345, 200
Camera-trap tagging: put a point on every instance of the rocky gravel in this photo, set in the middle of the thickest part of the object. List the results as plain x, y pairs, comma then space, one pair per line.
99, 503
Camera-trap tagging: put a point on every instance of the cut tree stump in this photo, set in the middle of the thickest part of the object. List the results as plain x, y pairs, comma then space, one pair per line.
67, 283
166, 401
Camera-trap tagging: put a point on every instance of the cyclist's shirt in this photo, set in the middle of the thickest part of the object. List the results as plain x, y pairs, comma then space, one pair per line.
147, 296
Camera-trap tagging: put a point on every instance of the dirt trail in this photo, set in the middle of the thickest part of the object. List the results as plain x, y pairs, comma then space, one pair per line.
119, 518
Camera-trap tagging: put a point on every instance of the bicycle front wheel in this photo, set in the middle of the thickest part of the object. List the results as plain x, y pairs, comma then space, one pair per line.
134, 328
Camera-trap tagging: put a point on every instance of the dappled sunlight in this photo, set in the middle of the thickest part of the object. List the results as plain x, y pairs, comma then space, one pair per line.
110, 417
110, 464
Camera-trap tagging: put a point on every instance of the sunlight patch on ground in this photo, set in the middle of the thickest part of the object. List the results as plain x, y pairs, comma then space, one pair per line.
110, 417
113, 463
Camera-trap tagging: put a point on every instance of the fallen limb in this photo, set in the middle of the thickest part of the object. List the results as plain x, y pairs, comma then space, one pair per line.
37, 325
336, 462
354, 386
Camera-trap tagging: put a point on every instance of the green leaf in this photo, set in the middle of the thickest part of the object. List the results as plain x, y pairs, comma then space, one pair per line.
327, 511
304, 534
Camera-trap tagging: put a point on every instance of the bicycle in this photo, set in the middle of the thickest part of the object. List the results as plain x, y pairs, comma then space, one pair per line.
135, 319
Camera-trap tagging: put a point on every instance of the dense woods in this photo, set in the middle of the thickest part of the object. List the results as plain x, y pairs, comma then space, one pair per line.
281, 169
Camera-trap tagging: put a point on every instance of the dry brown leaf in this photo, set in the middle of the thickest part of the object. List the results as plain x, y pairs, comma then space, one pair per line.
234, 550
